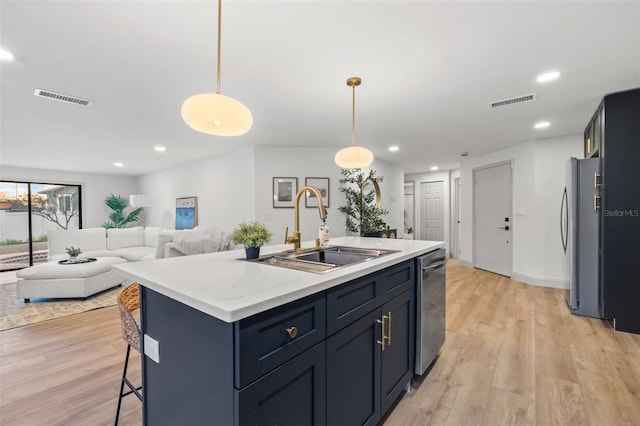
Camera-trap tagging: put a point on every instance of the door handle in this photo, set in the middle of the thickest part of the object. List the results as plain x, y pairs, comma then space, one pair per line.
382, 341
506, 228
433, 266
389, 328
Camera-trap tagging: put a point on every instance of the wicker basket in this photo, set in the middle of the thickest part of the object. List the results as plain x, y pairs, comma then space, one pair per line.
129, 301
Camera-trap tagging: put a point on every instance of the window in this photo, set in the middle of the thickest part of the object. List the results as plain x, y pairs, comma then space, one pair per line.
28, 211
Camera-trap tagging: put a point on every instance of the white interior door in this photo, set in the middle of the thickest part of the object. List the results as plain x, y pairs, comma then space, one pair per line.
431, 211
455, 250
492, 219
408, 206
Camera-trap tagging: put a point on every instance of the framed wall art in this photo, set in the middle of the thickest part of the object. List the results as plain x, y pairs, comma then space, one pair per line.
284, 192
322, 184
186, 212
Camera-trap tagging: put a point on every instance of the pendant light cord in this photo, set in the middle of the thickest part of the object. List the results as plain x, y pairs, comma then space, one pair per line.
219, 44
353, 117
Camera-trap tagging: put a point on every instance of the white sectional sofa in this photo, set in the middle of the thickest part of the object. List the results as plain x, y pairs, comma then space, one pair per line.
108, 247
132, 244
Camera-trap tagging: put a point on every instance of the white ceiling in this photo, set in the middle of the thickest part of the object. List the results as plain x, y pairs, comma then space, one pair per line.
429, 71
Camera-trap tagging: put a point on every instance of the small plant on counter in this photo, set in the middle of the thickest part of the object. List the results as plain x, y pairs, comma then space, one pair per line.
252, 235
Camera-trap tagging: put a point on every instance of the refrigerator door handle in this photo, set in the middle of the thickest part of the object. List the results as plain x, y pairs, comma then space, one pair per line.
564, 220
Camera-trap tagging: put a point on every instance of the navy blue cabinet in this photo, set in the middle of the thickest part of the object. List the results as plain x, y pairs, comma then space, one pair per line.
291, 395
370, 362
619, 239
353, 373
319, 360
398, 356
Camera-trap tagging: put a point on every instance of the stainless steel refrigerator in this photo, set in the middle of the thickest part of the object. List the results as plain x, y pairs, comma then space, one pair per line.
579, 224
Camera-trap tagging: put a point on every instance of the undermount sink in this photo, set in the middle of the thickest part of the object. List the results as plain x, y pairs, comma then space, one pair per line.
322, 260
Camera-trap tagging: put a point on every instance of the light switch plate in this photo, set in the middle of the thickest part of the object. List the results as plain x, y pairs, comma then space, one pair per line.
152, 348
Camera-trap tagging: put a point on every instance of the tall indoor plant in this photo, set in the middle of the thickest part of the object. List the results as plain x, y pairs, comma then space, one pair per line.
363, 215
117, 218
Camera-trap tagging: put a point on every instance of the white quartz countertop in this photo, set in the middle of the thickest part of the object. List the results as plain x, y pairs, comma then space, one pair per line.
228, 287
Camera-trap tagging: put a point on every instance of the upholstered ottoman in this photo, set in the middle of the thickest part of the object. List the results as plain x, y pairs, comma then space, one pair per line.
79, 280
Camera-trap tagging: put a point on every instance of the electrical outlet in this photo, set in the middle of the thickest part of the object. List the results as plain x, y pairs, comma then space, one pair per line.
152, 348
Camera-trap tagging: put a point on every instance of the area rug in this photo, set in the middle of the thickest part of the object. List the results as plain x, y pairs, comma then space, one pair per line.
15, 313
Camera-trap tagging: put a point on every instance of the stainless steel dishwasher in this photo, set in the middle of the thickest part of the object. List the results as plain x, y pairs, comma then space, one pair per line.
430, 318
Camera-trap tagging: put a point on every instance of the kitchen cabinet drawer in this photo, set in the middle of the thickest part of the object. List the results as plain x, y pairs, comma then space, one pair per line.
397, 279
265, 341
351, 301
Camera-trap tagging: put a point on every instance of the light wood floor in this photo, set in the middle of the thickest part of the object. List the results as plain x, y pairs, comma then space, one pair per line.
513, 355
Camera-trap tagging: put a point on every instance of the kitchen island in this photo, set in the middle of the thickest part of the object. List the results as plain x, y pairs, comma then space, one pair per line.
232, 342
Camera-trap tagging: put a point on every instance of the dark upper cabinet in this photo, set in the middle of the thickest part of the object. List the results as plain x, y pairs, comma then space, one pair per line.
619, 239
593, 134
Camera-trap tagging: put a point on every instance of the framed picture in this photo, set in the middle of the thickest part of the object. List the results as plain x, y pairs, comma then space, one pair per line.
186, 212
284, 192
322, 184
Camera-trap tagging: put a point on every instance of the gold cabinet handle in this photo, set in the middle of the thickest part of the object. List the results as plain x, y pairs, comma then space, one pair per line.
389, 329
596, 184
596, 205
293, 332
384, 337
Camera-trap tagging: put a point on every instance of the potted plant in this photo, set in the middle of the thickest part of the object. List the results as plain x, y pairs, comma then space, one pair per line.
364, 216
73, 253
252, 236
117, 204
408, 235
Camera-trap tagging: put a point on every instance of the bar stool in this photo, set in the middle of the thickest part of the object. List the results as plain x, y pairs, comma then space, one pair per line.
128, 302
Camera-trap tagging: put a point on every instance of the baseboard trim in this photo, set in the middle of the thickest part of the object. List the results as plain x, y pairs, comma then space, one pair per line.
530, 279
541, 281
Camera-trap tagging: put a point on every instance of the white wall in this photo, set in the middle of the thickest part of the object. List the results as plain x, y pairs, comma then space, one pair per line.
551, 156
315, 162
95, 188
538, 181
224, 185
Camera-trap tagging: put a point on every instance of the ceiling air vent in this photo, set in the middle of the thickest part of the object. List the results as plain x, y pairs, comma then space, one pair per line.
62, 98
516, 100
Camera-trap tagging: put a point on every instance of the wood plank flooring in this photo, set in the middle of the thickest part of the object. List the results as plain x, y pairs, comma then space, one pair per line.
513, 356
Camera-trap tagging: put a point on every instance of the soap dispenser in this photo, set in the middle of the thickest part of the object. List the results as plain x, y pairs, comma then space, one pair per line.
324, 234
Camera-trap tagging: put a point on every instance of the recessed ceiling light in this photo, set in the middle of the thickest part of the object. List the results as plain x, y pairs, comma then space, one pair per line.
394, 148
434, 168
548, 76
542, 125
160, 148
118, 164
5, 55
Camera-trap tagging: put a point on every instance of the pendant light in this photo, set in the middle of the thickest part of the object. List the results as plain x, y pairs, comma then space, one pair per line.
214, 113
354, 157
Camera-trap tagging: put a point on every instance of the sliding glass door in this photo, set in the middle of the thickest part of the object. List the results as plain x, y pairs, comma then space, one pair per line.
28, 211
